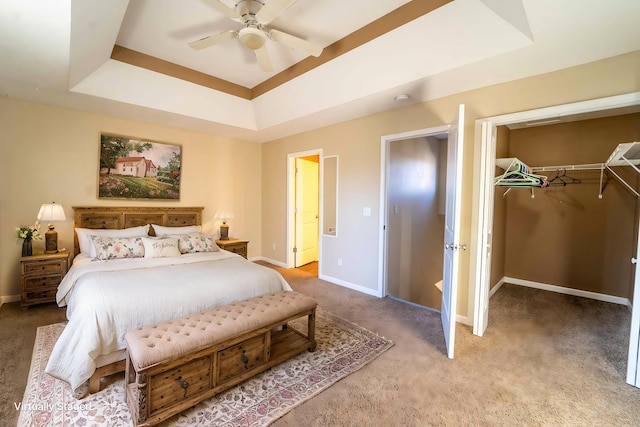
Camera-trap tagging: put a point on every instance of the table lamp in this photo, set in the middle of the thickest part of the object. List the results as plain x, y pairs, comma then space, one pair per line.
224, 228
51, 212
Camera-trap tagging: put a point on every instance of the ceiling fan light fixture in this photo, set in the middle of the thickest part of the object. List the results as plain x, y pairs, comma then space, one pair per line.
252, 38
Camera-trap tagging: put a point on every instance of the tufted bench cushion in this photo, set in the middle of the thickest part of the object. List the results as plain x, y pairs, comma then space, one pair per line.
151, 345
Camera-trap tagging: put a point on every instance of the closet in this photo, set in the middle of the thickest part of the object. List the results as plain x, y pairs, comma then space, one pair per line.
566, 205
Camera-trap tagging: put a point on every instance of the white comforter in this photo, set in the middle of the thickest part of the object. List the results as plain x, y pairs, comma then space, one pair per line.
106, 298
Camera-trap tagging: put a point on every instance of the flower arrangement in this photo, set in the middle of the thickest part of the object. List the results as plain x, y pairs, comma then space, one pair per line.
29, 233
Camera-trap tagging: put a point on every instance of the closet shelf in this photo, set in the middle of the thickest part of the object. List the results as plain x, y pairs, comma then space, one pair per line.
626, 154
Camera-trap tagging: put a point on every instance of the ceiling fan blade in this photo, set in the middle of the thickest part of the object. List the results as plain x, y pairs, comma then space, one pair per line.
262, 55
221, 7
272, 9
295, 42
214, 39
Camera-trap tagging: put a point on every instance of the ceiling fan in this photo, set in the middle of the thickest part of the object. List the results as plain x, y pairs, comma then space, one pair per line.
254, 15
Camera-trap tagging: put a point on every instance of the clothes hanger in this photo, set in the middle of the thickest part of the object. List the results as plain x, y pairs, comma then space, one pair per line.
563, 179
518, 178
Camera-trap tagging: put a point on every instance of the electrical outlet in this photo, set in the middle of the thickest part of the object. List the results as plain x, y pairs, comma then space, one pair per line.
339, 262
274, 246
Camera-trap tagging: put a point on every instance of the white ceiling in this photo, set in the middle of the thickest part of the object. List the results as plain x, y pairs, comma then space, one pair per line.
58, 52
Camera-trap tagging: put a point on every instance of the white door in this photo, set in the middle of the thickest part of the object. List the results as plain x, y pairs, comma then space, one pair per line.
633, 366
485, 201
452, 230
307, 207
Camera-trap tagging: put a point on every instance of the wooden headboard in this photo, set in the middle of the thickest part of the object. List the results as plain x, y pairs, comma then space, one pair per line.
112, 217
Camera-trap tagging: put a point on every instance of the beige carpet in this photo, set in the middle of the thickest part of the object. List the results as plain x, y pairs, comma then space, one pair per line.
546, 360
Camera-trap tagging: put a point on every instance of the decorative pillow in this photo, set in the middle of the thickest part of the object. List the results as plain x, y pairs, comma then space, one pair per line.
197, 242
86, 245
117, 247
161, 230
160, 247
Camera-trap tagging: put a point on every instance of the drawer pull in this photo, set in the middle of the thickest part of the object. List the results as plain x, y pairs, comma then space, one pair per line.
244, 359
184, 384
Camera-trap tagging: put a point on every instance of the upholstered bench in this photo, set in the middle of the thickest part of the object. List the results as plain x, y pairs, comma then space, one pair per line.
174, 365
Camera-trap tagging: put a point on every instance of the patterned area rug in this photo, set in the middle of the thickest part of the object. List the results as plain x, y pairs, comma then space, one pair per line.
343, 348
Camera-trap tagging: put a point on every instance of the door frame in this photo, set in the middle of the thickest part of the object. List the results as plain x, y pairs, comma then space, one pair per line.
483, 187
291, 197
385, 142
483, 183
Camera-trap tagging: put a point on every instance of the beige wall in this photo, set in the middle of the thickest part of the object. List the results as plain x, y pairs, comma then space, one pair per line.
357, 142
51, 154
566, 235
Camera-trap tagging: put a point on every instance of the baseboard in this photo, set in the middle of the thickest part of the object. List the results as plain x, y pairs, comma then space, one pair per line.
464, 320
9, 298
568, 291
496, 287
368, 291
269, 260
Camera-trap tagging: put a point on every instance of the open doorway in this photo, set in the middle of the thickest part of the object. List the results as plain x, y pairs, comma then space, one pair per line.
563, 203
303, 208
450, 241
416, 178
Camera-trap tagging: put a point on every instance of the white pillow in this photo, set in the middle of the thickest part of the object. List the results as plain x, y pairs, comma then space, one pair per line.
86, 245
160, 247
197, 242
117, 247
162, 230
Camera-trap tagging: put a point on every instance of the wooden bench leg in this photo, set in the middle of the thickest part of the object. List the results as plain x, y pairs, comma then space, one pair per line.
311, 330
104, 371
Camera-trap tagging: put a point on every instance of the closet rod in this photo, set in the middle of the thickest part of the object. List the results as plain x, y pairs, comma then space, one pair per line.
590, 166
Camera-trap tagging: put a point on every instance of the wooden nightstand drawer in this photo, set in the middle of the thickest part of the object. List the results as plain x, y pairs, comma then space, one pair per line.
44, 267
40, 296
234, 245
42, 282
41, 275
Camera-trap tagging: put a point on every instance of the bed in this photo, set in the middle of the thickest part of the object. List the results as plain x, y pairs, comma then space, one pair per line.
107, 297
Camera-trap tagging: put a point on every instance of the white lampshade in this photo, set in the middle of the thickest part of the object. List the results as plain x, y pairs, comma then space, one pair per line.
223, 215
51, 212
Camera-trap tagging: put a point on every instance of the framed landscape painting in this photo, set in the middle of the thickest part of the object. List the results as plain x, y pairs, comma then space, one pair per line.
138, 169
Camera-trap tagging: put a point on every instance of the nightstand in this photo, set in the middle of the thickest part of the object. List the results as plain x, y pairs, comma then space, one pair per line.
41, 275
236, 246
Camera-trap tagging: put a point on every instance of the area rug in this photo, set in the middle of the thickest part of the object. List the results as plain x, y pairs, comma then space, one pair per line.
343, 348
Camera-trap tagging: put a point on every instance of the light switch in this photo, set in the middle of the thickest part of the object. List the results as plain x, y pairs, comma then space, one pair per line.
366, 211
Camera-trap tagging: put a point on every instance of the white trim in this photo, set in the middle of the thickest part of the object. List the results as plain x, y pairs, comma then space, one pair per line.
477, 227
382, 241
465, 320
353, 286
582, 107
291, 196
493, 290
321, 211
335, 236
269, 260
568, 291
9, 298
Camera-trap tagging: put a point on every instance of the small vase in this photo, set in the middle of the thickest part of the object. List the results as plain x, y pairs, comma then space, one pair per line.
27, 247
